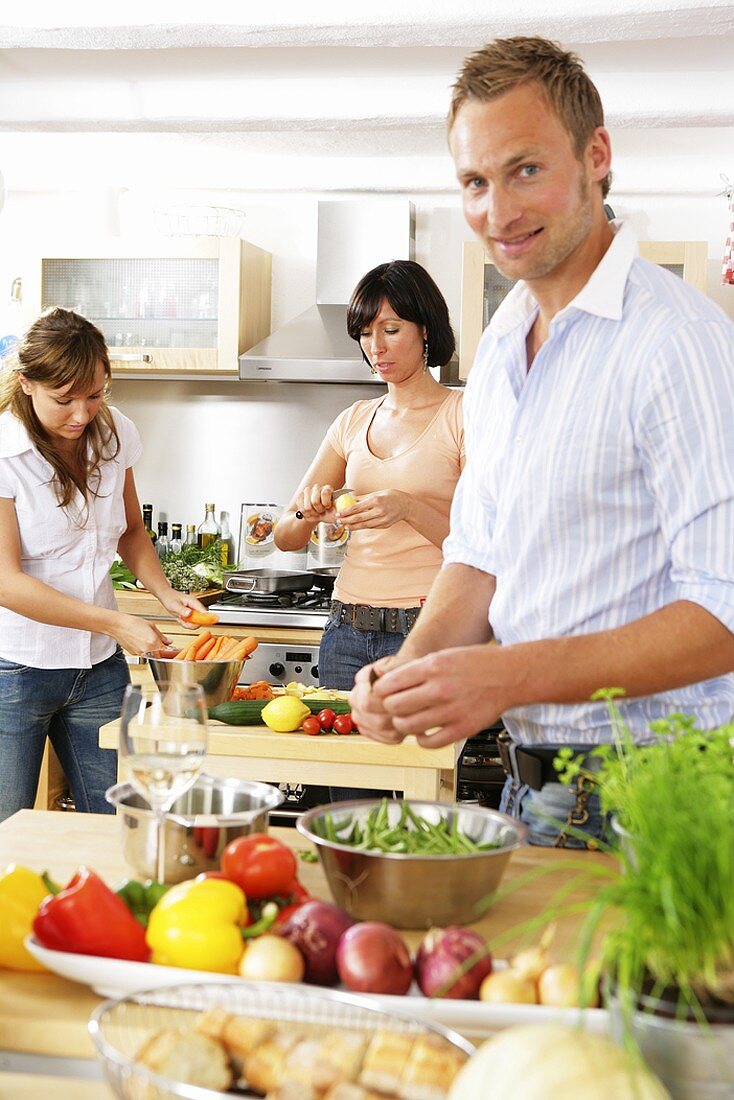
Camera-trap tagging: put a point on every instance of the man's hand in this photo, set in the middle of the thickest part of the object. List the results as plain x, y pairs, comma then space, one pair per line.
441, 698
368, 710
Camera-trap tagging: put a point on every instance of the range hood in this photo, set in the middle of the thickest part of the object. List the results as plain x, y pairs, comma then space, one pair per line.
353, 237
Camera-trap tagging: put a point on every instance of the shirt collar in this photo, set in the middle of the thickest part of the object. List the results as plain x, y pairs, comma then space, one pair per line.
14, 438
602, 295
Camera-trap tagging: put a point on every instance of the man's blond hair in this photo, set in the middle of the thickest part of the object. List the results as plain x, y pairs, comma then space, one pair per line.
507, 63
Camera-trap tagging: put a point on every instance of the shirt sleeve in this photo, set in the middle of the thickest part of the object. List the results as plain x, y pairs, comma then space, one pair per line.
7, 481
131, 447
685, 426
469, 541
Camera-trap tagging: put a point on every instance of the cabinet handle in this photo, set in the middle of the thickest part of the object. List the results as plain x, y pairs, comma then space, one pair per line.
131, 357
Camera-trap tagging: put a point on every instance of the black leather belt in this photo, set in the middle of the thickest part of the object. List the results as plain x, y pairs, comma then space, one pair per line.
532, 767
393, 620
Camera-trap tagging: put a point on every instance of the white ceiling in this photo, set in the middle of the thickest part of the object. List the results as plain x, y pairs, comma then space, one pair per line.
308, 99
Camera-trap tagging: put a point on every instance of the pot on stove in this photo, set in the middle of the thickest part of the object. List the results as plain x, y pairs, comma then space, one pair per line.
261, 582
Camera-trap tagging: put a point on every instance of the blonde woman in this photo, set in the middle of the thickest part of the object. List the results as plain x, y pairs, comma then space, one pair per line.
67, 504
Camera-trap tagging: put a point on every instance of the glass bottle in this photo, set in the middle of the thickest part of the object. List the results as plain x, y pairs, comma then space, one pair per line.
191, 539
162, 546
148, 521
227, 548
208, 531
176, 541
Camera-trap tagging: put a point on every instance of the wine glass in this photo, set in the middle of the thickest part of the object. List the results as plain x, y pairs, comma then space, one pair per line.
163, 738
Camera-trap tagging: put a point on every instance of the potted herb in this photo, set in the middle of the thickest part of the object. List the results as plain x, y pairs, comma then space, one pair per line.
668, 912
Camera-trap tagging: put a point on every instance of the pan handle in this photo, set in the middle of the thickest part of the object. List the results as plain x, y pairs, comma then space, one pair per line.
234, 584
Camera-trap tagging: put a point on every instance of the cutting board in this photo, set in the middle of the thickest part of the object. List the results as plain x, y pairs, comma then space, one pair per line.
141, 602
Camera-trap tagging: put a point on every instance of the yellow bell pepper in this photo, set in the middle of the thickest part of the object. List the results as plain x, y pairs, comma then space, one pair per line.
197, 924
21, 892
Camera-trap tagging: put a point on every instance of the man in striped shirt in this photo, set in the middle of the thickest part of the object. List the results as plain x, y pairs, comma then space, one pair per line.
592, 531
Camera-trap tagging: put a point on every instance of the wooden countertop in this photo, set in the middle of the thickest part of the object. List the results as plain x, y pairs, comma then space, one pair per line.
45, 1014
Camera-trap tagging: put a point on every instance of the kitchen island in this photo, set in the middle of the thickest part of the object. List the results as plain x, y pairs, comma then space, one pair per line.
44, 1017
255, 752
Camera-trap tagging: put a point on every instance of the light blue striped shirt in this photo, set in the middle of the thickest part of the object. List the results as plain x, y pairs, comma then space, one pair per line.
599, 485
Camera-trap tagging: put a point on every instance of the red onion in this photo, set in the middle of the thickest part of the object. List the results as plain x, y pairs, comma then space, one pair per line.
439, 960
315, 929
373, 958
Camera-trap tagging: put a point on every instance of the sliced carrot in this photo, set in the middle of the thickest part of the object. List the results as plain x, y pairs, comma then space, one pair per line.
203, 651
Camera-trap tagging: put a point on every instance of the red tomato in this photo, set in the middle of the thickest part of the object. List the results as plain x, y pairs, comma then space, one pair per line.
260, 865
311, 725
343, 723
326, 718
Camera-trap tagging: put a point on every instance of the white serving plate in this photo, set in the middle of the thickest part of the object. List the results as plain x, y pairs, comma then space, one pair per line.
474, 1019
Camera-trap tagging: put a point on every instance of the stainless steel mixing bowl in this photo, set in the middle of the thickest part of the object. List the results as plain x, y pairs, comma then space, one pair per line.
415, 891
217, 678
198, 826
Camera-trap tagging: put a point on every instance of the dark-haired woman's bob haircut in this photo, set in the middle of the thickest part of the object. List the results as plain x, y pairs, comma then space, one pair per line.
412, 293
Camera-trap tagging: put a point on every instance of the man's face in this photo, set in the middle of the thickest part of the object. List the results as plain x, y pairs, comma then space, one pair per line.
525, 193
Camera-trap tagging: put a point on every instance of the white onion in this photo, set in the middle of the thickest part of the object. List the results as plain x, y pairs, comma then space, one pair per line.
271, 959
552, 1062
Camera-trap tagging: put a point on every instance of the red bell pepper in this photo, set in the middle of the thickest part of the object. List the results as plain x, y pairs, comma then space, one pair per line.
88, 918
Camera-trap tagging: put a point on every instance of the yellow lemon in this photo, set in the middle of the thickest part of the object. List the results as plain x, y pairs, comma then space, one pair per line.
284, 713
346, 500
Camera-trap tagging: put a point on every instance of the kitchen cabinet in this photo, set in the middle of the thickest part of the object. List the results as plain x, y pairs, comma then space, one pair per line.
483, 287
174, 307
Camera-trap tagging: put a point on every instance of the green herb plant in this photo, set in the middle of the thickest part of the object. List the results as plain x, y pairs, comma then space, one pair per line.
668, 911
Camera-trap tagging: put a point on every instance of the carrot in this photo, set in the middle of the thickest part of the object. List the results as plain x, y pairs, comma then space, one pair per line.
183, 653
203, 651
202, 618
244, 649
217, 647
199, 641
225, 652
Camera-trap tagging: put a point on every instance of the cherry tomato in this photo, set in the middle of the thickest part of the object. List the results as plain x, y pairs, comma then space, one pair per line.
343, 723
326, 718
311, 725
259, 865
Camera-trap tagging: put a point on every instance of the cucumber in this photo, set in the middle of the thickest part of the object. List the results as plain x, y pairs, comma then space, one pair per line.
248, 712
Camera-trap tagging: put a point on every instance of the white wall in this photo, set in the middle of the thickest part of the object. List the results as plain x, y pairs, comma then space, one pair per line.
239, 442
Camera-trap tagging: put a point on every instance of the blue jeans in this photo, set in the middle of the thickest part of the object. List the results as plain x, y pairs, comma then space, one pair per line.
68, 706
342, 653
545, 813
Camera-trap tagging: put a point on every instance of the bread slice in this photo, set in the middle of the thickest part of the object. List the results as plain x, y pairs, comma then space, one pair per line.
384, 1061
187, 1056
212, 1022
264, 1066
430, 1069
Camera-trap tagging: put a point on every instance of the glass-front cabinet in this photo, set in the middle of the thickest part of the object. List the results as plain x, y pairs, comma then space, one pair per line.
483, 287
186, 307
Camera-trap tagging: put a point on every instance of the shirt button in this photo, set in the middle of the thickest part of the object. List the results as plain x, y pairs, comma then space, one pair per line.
518, 439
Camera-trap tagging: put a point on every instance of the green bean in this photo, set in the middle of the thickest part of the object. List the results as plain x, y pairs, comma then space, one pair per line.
411, 833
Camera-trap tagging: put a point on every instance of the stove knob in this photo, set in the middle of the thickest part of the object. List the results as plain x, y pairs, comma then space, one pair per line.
277, 670
297, 668
315, 673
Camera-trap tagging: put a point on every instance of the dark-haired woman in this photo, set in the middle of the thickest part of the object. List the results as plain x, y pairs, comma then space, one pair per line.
67, 504
401, 455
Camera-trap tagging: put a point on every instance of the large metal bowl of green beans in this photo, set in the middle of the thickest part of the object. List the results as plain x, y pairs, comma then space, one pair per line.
412, 864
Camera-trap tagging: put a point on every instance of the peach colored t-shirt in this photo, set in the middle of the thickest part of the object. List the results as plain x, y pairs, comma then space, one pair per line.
395, 566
